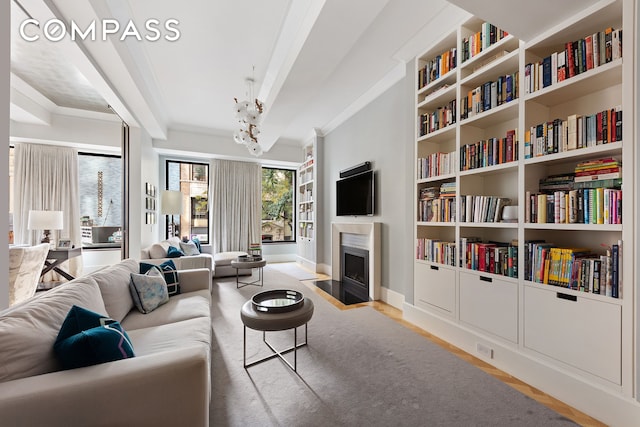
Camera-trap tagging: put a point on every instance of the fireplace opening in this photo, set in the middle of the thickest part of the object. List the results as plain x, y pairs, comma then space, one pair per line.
353, 286
354, 269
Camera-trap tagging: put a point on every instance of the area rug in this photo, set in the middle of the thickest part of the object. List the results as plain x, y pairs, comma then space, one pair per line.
360, 368
292, 269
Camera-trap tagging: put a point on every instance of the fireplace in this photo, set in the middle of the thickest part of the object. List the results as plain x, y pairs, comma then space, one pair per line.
354, 274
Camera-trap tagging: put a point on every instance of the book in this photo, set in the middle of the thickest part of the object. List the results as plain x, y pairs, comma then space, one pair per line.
598, 177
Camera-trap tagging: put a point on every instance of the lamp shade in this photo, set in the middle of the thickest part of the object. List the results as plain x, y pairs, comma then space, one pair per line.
45, 220
171, 203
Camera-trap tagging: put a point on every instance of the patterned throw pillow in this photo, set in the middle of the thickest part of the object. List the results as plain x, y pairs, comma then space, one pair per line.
149, 291
170, 272
174, 252
87, 338
189, 248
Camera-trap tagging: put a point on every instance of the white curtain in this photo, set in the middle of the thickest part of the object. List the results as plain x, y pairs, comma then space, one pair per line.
236, 205
46, 178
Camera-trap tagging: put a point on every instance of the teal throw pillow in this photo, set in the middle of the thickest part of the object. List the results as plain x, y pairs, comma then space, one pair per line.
149, 291
197, 242
174, 252
87, 338
170, 272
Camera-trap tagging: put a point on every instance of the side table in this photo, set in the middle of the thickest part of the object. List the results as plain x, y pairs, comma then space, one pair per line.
239, 265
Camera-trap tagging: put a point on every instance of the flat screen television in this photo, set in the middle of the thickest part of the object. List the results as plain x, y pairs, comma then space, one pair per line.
355, 195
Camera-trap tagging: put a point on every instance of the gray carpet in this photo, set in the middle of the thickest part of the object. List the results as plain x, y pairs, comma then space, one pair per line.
291, 269
360, 368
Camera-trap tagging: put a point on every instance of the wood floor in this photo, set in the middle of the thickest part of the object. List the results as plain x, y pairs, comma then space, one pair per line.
395, 314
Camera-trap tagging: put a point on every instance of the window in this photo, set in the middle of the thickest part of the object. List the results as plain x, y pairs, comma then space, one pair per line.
278, 214
100, 190
192, 180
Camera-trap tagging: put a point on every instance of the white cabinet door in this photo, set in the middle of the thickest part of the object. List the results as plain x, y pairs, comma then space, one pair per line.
581, 332
435, 286
489, 303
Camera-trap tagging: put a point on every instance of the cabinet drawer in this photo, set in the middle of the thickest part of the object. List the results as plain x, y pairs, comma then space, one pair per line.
435, 286
581, 332
490, 304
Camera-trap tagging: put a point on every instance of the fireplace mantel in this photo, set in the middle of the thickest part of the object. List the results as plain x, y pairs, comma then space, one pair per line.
372, 230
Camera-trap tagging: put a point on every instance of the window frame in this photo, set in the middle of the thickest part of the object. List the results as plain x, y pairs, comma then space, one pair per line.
208, 182
294, 204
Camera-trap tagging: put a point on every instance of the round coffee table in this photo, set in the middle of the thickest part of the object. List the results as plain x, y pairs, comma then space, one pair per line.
280, 318
241, 265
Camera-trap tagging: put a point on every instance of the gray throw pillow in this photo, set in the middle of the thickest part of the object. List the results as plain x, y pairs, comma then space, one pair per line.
189, 248
149, 291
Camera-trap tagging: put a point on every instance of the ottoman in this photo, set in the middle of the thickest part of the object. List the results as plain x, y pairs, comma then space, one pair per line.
279, 321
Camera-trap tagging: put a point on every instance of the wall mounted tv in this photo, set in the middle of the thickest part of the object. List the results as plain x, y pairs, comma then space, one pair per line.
355, 195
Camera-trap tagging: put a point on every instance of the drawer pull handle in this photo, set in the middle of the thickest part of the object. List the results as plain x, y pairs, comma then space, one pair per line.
486, 279
434, 267
566, 296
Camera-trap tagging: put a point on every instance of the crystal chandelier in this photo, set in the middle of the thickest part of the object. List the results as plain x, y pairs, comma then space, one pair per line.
249, 116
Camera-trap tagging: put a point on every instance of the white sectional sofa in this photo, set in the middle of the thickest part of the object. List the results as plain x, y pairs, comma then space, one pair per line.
166, 383
157, 254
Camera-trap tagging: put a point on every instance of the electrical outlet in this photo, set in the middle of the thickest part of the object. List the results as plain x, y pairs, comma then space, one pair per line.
484, 350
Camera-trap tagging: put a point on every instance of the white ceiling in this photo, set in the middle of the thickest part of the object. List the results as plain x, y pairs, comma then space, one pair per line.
314, 62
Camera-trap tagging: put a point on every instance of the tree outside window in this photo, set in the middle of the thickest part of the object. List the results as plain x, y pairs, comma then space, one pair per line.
278, 214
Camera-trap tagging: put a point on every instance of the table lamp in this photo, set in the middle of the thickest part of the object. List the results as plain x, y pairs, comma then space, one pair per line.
171, 204
46, 221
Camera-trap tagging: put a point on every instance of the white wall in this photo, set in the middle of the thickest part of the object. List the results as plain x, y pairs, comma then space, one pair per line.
149, 166
382, 134
5, 58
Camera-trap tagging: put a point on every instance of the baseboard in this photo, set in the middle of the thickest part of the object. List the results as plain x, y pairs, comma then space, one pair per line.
324, 269
308, 264
280, 258
595, 400
393, 298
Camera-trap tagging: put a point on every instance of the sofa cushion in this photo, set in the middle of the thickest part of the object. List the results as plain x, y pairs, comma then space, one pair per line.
225, 258
180, 307
148, 290
87, 338
170, 336
170, 272
114, 286
189, 248
29, 329
159, 250
174, 252
174, 241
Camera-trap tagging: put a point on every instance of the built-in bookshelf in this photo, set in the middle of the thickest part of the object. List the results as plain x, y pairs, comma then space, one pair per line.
306, 201
308, 193
539, 127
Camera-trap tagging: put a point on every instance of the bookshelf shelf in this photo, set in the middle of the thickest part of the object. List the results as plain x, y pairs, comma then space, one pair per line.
512, 225
589, 153
437, 98
489, 170
573, 227
494, 116
441, 135
509, 43
514, 314
596, 79
436, 178
500, 66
